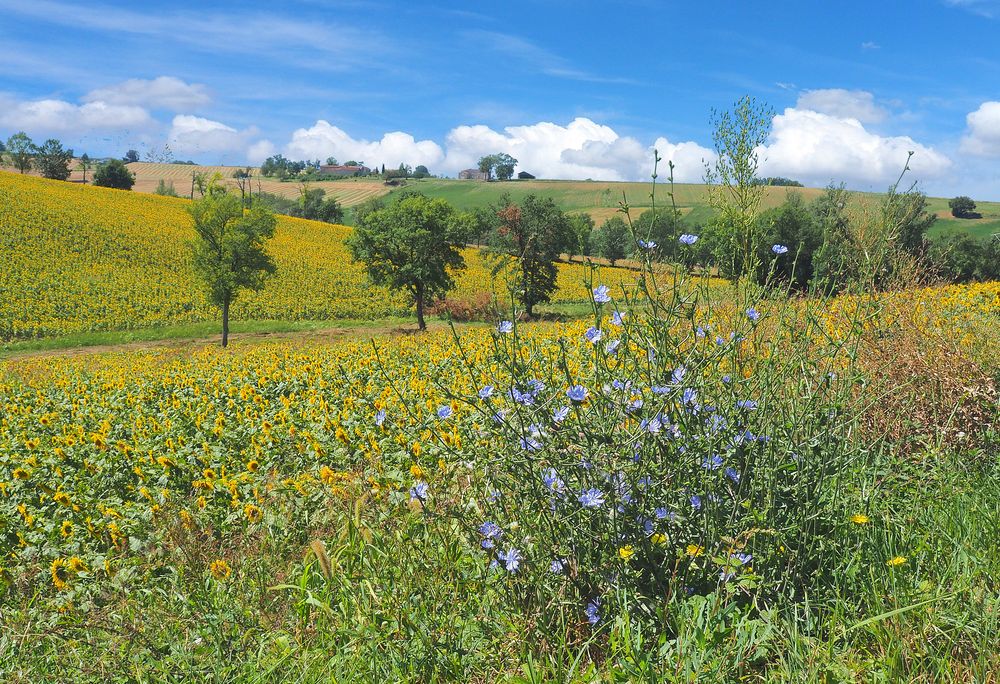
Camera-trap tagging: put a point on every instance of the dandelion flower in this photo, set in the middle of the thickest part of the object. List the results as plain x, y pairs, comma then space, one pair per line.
860, 519
896, 561
626, 552
694, 550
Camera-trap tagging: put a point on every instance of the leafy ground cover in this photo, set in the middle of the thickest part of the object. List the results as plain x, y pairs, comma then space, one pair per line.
310, 512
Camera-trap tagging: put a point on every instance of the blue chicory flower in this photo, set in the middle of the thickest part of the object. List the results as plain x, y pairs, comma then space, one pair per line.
753, 315
511, 560
577, 393
444, 412
560, 414
779, 249
591, 498
593, 335
602, 294
688, 239
593, 611
505, 327
486, 392
419, 491
380, 417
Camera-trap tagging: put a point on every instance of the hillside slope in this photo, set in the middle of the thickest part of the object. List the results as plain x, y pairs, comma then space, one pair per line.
79, 258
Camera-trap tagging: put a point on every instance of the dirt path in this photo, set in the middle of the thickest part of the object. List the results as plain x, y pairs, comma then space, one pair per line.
321, 335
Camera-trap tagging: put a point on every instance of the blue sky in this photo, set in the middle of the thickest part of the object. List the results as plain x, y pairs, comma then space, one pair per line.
572, 89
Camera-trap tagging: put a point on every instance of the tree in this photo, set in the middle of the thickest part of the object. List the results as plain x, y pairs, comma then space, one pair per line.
53, 160
414, 245
612, 240
833, 261
331, 161
85, 166
20, 149
582, 226
244, 178
534, 233
962, 207
734, 189
131, 157
793, 226
663, 227
229, 249
165, 188
486, 164
504, 165
421, 171
114, 174
315, 206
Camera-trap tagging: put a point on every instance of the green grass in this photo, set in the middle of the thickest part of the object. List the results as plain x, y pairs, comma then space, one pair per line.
189, 332
408, 601
601, 198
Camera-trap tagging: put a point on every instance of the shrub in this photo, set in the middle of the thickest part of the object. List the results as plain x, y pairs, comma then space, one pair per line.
962, 207
114, 174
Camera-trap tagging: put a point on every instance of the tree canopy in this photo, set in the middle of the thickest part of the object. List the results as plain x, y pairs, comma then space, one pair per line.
114, 174
53, 160
412, 245
20, 150
962, 207
534, 232
229, 250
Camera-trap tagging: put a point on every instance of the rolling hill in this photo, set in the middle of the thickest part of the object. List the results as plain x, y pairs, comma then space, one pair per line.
81, 258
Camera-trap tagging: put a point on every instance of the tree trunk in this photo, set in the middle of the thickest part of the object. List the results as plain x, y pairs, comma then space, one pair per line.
225, 322
419, 297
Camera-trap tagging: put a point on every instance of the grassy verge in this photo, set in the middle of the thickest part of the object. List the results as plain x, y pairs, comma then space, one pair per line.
189, 331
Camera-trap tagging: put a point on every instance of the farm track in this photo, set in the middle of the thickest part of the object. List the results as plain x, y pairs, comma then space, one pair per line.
331, 334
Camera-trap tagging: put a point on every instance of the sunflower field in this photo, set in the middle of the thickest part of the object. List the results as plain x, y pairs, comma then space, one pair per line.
82, 259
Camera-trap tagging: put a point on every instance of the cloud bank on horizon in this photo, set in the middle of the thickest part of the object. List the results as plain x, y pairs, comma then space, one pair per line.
826, 137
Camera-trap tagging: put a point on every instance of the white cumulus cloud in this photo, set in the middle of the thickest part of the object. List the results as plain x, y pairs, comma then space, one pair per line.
580, 149
196, 135
324, 140
163, 92
843, 104
818, 148
45, 117
982, 136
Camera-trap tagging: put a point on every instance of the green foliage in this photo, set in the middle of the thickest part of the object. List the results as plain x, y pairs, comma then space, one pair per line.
114, 174
20, 150
792, 225
52, 160
165, 188
314, 205
421, 172
534, 232
229, 251
780, 181
85, 165
962, 207
962, 258
501, 164
413, 244
582, 226
612, 240
131, 157
735, 191
832, 261
663, 226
